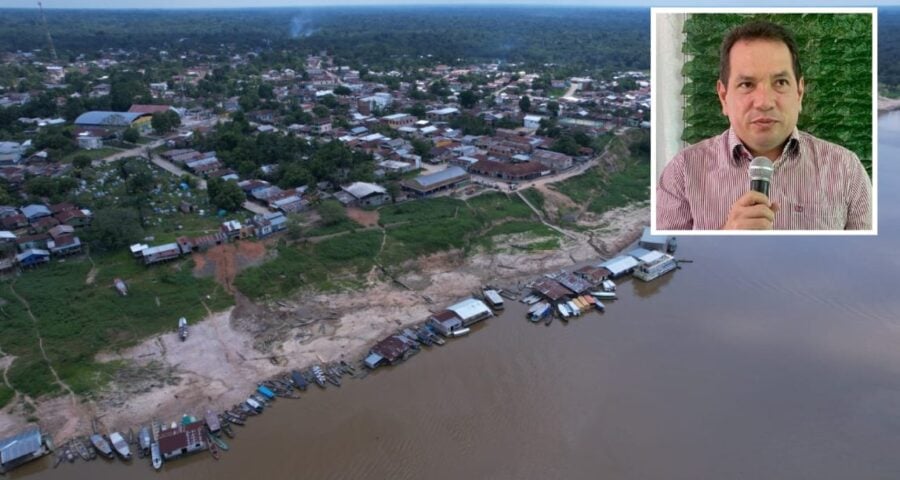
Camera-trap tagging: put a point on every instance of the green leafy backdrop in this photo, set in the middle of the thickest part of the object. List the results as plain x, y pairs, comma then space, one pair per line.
836, 59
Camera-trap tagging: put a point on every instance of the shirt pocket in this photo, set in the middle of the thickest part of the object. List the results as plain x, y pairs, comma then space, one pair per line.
814, 216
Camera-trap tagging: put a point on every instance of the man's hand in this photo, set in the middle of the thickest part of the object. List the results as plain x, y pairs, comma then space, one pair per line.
753, 211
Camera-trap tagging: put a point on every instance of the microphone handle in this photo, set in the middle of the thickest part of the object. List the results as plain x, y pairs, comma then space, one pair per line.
760, 186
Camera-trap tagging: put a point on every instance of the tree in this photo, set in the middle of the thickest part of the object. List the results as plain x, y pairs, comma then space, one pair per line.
422, 148
342, 90
566, 144
113, 228
131, 135
553, 108
331, 212
81, 161
164, 122
525, 104
418, 110
224, 194
468, 99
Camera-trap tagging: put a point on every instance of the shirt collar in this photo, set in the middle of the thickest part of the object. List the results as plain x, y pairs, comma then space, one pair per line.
740, 153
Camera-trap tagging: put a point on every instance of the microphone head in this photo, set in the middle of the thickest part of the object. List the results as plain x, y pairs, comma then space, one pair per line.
761, 168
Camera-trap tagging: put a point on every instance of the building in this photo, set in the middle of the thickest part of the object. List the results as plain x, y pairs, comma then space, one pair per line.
88, 141
362, 194
445, 322
551, 289
554, 160
35, 211
182, 440
390, 350
119, 121
447, 179
657, 242
592, 274
619, 266
509, 171
654, 264
471, 311
33, 257
22, 448
269, 223
532, 121
64, 245
11, 152
161, 253
575, 283
442, 115
398, 120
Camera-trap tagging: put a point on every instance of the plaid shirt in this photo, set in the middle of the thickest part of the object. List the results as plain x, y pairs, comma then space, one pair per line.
818, 185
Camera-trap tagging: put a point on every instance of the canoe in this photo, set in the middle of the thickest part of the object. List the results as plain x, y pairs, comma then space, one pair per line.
102, 445
156, 457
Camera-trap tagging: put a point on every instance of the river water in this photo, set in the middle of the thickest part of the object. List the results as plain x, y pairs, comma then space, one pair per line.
774, 358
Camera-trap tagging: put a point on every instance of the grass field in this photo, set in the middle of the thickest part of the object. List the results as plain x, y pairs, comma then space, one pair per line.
92, 154
77, 320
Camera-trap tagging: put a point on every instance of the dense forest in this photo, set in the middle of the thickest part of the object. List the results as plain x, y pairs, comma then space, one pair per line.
383, 37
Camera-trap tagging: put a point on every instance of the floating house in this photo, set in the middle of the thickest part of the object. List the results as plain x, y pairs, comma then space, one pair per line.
182, 440
390, 350
657, 242
22, 448
619, 266
654, 265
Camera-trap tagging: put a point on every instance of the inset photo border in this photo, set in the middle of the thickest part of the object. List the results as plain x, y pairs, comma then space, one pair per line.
838, 116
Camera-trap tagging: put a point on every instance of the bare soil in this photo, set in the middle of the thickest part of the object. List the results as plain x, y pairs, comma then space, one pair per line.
366, 218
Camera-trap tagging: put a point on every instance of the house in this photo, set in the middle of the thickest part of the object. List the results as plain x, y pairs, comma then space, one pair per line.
64, 245
269, 223
35, 211
288, 203
445, 322
60, 231
619, 266
205, 242
551, 289
43, 224
88, 141
592, 274
321, 126
232, 229
21, 448
554, 160
25, 242
362, 194
182, 440
160, 253
508, 171
11, 152
390, 350
657, 242
33, 257
398, 120
532, 121
137, 249
575, 283
442, 115
470, 311
13, 222
447, 179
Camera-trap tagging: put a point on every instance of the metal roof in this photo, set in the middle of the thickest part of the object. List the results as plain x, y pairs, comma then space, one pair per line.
551, 289
363, 189
440, 177
160, 249
573, 282
108, 118
620, 264
470, 308
20, 445
34, 210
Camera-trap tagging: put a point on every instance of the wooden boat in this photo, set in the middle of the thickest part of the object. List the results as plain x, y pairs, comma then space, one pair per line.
121, 446
256, 406
352, 371
226, 427
599, 306
102, 445
299, 380
563, 310
541, 312
608, 286
144, 439
217, 440
591, 301
604, 295
549, 320
182, 329
155, 456
234, 419
213, 449
266, 392
531, 299
259, 399
493, 298
318, 375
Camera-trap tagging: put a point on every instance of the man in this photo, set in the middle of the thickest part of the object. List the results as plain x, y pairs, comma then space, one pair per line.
816, 185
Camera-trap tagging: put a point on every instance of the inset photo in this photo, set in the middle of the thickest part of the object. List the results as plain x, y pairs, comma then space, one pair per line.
764, 121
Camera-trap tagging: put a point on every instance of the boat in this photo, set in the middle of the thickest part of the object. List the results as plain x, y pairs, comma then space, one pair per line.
269, 394
604, 295
144, 439
574, 308
213, 449
352, 371
155, 456
531, 299
182, 329
226, 427
212, 422
235, 419
600, 306
120, 286
460, 332
539, 313
333, 379
563, 310
259, 399
217, 440
102, 445
81, 449
121, 446
256, 406
608, 286
299, 380
549, 320
493, 298
318, 375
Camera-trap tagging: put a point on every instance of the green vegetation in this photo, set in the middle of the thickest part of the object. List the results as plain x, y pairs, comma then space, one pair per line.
6, 394
601, 190
92, 154
77, 320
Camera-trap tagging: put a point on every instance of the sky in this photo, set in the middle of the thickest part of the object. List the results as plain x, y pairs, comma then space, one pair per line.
174, 4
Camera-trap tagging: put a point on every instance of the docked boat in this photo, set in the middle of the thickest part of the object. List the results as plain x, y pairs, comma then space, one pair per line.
604, 295
563, 310
538, 312
212, 422
608, 286
213, 438
256, 406
299, 380
226, 427
319, 375
81, 449
155, 456
531, 299
460, 332
182, 329
269, 394
213, 448
600, 306
144, 439
493, 298
121, 446
102, 445
235, 419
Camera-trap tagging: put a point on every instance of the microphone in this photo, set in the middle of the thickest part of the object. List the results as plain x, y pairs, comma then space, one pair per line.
761, 171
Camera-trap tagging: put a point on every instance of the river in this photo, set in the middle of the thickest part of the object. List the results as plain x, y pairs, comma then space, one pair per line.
775, 358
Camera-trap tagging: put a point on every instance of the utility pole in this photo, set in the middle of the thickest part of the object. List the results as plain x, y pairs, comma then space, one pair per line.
47, 31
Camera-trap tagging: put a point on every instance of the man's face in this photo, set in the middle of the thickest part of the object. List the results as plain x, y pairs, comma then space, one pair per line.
762, 98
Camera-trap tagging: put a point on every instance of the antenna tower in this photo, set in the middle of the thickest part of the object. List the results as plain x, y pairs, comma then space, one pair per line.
47, 31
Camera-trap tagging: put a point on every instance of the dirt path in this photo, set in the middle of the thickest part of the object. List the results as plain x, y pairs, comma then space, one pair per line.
366, 218
37, 332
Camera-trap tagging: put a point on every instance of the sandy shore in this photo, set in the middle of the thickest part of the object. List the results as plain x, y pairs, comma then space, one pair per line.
229, 351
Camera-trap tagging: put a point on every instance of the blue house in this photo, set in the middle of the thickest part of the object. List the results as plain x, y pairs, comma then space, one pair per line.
33, 257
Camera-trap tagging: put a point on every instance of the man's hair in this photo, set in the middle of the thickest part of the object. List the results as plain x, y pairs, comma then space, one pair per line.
756, 30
